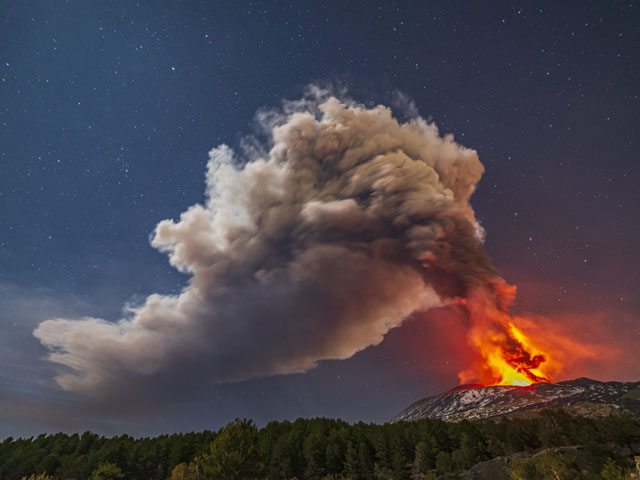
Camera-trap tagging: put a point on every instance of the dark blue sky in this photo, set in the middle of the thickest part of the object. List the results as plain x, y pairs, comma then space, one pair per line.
108, 110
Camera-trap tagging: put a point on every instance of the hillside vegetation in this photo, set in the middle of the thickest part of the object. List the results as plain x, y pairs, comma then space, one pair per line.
323, 448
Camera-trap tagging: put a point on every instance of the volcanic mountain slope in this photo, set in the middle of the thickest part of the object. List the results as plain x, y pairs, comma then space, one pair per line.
580, 396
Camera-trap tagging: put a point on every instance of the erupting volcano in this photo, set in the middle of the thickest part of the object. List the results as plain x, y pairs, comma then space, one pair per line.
506, 355
317, 243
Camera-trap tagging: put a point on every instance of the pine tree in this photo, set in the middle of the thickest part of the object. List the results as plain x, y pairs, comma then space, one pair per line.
423, 461
107, 471
365, 460
613, 471
234, 454
185, 471
333, 456
314, 453
444, 463
352, 464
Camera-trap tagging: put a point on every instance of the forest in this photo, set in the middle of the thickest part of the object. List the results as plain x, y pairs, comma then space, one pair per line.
323, 448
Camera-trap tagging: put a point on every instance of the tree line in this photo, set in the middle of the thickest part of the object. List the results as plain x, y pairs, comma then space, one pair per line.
323, 448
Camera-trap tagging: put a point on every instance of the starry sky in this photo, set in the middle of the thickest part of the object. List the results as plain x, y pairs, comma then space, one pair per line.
108, 110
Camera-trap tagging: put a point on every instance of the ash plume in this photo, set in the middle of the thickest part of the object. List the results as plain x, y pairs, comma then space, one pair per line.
309, 248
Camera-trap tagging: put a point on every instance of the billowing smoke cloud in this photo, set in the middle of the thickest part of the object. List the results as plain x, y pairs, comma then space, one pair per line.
313, 250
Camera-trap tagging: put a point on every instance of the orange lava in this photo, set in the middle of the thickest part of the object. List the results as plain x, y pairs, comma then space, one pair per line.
506, 355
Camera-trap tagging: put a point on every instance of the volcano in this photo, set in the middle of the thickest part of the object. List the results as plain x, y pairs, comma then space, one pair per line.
581, 396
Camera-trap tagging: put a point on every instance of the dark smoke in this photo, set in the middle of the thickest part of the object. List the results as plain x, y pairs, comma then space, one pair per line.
312, 251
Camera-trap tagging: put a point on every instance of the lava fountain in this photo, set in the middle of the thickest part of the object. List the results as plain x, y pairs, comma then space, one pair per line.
506, 354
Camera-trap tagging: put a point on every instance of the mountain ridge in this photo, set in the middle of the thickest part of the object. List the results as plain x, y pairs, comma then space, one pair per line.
583, 395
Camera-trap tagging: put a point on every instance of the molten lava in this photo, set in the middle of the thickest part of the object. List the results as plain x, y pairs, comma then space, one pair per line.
506, 355
514, 359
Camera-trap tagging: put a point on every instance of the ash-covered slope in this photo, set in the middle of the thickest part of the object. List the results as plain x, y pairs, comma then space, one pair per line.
582, 395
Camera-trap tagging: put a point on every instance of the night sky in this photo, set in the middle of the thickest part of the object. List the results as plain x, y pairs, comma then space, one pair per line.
108, 110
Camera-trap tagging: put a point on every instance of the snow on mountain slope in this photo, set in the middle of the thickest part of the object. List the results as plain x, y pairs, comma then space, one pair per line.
487, 402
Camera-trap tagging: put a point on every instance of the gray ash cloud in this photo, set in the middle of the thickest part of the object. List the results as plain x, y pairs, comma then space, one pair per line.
308, 248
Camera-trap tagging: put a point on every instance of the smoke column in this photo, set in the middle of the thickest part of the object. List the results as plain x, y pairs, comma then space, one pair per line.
308, 248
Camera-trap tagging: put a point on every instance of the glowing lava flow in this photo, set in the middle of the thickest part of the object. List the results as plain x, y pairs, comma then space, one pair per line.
505, 354
517, 361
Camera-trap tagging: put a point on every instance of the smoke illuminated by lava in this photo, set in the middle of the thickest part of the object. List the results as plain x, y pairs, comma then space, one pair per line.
312, 246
